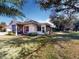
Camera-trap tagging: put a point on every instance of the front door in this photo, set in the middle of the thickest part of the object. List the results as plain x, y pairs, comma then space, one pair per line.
43, 29
26, 29
20, 29
13, 28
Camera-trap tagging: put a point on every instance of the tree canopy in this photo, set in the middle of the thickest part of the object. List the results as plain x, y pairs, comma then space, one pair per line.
61, 5
63, 24
11, 7
66, 8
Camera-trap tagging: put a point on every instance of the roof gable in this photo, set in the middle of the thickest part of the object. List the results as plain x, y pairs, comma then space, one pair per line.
29, 22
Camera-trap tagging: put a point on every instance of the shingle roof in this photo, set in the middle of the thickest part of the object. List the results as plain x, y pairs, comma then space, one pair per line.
30, 22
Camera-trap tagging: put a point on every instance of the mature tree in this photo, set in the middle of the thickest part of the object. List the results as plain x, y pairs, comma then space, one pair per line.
57, 21
68, 8
11, 7
76, 24
60, 5
62, 23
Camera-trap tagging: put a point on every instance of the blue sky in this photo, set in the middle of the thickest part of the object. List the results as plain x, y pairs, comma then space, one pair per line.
31, 11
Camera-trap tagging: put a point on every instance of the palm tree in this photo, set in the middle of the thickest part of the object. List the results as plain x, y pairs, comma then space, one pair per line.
11, 7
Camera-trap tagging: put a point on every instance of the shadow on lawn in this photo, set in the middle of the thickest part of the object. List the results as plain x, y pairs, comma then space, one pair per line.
71, 36
42, 40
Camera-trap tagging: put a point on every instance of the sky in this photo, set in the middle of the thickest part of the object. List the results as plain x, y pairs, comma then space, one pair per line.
32, 11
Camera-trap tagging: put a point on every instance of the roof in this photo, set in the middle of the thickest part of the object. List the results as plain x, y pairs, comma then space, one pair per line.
30, 22
45, 23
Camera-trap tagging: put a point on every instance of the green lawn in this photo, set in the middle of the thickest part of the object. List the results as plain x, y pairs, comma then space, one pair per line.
56, 46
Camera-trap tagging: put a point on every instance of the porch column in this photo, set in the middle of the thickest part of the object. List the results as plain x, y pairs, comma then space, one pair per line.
16, 31
23, 29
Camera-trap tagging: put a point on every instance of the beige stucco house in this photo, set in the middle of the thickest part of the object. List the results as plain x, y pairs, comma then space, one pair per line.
30, 26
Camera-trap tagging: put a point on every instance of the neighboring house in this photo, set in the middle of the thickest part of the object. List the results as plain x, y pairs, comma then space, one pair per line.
3, 30
30, 26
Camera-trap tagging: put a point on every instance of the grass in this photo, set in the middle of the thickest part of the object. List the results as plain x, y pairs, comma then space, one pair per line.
57, 46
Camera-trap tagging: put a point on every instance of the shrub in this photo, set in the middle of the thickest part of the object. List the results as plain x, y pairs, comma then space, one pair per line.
10, 33
32, 34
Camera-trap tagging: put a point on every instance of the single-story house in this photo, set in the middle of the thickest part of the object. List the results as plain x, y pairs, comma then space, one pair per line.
31, 26
3, 29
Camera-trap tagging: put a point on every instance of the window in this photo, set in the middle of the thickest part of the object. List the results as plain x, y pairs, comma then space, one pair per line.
39, 28
13, 28
27, 28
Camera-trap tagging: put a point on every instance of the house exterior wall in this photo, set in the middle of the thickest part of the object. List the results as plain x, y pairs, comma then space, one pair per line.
9, 28
44, 28
32, 28
47, 30
41, 32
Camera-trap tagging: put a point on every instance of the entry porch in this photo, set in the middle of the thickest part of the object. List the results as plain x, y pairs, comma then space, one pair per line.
30, 28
